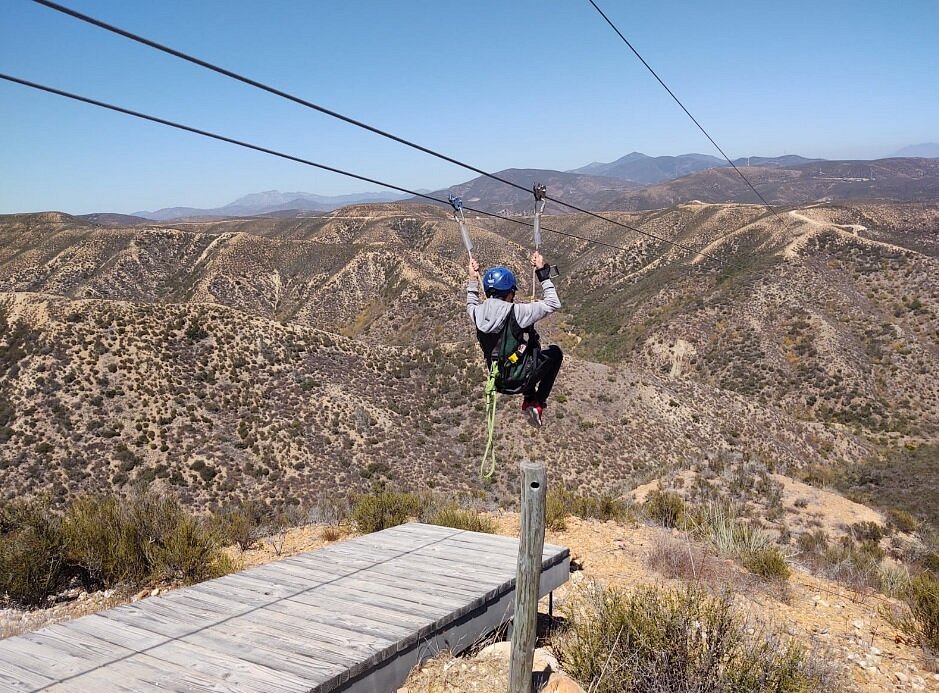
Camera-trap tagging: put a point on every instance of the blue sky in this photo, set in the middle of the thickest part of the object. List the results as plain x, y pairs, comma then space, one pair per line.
499, 84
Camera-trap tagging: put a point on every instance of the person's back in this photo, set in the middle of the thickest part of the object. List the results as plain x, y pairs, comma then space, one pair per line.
490, 315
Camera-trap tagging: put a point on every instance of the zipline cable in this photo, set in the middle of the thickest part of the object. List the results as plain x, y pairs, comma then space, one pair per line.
289, 157
676, 99
352, 121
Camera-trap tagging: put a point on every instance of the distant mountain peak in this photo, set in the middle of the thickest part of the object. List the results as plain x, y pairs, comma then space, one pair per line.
926, 150
270, 201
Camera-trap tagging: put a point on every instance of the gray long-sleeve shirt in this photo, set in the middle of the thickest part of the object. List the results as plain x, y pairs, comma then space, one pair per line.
489, 314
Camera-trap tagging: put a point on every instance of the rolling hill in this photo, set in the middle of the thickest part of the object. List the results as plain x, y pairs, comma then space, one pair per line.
281, 357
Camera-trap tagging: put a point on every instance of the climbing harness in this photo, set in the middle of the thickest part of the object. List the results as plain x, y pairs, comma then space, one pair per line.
492, 396
539, 190
457, 204
512, 353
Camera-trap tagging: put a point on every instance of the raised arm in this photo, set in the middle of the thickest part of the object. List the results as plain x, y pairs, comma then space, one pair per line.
472, 288
529, 313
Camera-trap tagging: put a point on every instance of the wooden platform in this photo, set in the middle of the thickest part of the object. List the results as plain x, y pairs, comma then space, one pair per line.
355, 616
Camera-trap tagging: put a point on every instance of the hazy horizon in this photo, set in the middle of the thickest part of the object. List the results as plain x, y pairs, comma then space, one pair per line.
496, 85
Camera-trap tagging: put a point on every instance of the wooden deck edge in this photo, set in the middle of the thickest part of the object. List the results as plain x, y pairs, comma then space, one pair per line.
388, 669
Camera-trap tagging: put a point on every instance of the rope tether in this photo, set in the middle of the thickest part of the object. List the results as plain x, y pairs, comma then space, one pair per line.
491, 397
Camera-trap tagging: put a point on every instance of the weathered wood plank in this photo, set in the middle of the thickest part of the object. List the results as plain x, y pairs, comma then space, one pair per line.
315, 626
366, 596
159, 619
103, 628
216, 664
404, 578
145, 674
256, 645
41, 655
241, 641
382, 618
334, 614
433, 565
15, 678
309, 622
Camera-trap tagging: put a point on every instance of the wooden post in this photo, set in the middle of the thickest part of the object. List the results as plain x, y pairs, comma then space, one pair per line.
530, 548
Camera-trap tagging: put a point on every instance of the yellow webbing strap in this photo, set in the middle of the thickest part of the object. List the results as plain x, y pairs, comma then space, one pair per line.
491, 396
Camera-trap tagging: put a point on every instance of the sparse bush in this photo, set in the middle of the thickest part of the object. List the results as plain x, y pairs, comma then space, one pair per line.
555, 512
562, 503
894, 579
676, 559
768, 563
733, 537
33, 563
665, 507
330, 534
452, 515
94, 527
656, 639
868, 531
903, 521
847, 561
603, 507
719, 524
812, 542
376, 511
922, 598
240, 524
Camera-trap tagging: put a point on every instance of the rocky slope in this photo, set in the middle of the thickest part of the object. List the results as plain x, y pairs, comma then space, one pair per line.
283, 356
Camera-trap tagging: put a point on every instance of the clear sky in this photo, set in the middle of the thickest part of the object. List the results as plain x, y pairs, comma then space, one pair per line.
497, 83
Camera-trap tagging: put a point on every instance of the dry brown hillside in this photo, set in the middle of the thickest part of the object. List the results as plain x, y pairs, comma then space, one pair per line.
284, 356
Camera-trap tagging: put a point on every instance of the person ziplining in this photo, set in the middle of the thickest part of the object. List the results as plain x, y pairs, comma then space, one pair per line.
515, 360
507, 335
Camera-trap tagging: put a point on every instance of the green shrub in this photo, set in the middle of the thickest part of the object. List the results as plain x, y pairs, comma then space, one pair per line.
95, 532
377, 511
922, 597
562, 503
813, 542
603, 507
657, 639
556, 511
768, 563
868, 531
846, 561
452, 515
240, 524
33, 562
903, 521
718, 523
141, 539
665, 507
931, 562
190, 552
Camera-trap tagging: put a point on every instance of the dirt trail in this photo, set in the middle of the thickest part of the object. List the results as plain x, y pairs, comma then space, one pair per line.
817, 227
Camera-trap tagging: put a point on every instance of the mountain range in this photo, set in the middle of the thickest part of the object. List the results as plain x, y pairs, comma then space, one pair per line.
269, 202
633, 182
640, 168
928, 150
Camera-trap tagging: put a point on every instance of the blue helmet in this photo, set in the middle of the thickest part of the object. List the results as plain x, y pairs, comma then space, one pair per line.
498, 281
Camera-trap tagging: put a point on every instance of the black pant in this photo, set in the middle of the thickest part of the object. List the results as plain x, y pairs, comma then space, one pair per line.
546, 370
